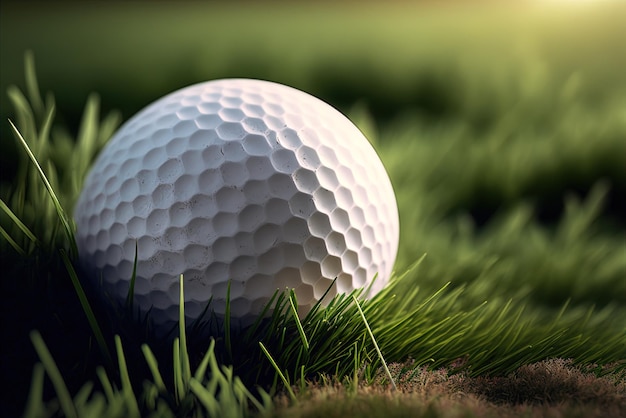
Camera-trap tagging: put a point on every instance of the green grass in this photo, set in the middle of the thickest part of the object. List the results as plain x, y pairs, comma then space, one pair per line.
512, 242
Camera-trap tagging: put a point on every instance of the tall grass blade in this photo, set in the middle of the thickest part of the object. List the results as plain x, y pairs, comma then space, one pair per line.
34, 404
179, 384
65, 220
107, 387
18, 222
227, 329
202, 368
127, 388
293, 302
12, 242
131, 289
280, 374
153, 365
182, 369
184, 355
371, 334
84, 303
206, 398
65, 400
32, 85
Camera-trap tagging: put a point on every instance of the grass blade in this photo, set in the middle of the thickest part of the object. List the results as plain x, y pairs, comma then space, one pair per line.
294, 311
34, 405
227, 336
106, 384
12, 242
65, 400
279, 372
65, 220
371, 334
202, 368
32, 86
91, 317
18, 222
127, 388
178, 379
184, 355
206, 398
131, 289
153, 365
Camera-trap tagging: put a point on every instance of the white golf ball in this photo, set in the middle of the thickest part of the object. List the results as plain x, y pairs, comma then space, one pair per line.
236, 180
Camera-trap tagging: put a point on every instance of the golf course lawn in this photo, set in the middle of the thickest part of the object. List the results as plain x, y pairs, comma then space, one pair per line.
502, 128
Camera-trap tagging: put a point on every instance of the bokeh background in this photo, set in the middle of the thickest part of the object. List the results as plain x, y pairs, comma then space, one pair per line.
496, 119
453, 59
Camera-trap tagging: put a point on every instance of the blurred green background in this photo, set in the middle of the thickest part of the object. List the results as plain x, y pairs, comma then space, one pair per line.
473, 60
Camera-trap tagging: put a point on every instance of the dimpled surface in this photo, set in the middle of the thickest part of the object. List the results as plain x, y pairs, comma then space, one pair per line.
241, 180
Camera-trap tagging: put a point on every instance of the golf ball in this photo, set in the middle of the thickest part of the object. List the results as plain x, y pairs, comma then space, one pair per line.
242, 181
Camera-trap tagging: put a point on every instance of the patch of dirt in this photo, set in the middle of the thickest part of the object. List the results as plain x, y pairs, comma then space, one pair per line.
552, 388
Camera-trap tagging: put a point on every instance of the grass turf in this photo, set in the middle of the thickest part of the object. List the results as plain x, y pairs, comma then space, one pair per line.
481, 185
